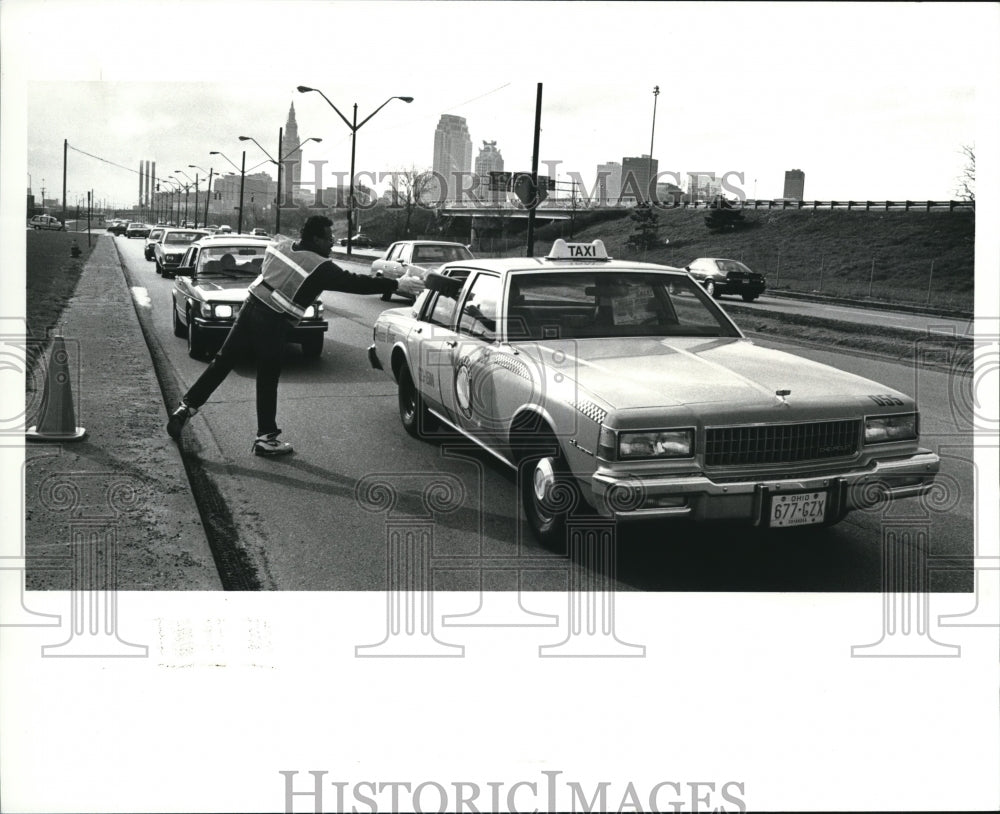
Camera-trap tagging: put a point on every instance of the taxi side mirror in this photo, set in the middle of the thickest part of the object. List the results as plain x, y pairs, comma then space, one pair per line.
447, 286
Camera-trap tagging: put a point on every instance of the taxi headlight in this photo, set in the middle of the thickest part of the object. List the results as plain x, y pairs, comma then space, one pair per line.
882, 429
223, 311
652, 444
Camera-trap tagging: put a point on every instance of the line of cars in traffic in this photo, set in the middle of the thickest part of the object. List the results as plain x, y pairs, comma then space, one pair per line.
618, 390
212, 269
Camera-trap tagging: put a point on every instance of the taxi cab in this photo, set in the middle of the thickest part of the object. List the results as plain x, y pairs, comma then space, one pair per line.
622, 387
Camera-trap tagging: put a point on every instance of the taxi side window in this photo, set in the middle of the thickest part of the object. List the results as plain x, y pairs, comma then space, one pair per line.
394, 252
441, 309
479, 310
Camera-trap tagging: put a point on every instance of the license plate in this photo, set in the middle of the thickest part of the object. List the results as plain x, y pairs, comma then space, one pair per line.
798, 509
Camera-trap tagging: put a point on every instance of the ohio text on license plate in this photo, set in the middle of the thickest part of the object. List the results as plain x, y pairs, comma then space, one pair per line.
799, 509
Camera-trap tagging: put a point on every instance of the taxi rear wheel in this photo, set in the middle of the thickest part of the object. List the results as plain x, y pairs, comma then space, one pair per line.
413, 413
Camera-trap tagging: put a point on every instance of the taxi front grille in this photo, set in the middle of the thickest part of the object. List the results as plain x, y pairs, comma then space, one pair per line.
781, 443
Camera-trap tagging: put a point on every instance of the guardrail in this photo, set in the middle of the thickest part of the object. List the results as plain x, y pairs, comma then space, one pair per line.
584, 204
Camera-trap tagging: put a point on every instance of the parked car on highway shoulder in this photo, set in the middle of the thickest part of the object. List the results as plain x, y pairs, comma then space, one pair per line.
623, 388
259, 232
136, 229
118, 227
47, 222
416, 258
211, 287
720, 276
154, 237
170, 249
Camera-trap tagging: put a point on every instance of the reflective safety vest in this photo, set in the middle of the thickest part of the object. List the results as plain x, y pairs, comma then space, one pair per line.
283, 273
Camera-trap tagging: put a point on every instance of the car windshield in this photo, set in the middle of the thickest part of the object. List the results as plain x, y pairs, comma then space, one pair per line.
232, 261
587, 304
440, 254
182, 237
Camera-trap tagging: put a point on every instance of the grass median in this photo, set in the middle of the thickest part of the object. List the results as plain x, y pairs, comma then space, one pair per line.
51, 277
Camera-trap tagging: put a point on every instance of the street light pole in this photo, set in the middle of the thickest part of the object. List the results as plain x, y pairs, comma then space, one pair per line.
650, 187
208, 193
279, 162
354, 127
243, 170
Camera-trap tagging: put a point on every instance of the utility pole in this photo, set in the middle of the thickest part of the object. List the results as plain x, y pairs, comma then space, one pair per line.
649, 184
243, 171
65, 148
534, 172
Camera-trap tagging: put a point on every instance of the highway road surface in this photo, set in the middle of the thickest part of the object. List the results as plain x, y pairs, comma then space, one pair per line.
310, 521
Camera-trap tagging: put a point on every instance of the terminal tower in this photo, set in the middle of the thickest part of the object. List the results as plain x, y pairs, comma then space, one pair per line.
291, 152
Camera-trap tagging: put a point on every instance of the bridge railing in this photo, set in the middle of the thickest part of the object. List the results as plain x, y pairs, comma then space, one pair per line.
587, 204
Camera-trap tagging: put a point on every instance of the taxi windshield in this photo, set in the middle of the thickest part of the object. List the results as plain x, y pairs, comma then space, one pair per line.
589, 304
232, 261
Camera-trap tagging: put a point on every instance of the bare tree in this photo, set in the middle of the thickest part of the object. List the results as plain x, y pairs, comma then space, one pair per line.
409, 189
967, 180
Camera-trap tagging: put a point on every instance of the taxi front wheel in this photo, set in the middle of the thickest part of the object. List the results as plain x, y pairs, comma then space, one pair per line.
548, 492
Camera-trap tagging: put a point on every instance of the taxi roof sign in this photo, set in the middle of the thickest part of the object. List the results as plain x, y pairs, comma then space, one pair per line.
561, 250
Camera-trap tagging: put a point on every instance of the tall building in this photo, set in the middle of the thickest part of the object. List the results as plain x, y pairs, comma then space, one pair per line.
489, 160
291, 173
452, 150
609, 182
703, 186
795, 185
636, 175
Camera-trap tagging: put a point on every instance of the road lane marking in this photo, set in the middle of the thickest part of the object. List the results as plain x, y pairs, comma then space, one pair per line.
141, 297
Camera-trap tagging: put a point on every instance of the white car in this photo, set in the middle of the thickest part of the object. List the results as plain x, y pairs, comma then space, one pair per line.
416, 258
46, 222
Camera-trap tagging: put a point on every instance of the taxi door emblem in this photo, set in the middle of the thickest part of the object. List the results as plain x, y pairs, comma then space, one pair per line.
463, 389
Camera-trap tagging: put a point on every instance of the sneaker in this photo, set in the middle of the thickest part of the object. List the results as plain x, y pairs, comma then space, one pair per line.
270, 445
178, 418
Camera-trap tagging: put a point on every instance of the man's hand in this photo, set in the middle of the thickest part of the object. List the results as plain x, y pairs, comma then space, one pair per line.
410, 286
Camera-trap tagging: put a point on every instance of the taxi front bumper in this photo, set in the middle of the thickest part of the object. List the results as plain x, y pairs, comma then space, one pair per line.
700, 498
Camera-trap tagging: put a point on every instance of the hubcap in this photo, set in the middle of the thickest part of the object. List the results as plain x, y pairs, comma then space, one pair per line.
542, 479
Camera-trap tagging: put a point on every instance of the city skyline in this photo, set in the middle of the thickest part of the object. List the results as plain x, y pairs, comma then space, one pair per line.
896, 133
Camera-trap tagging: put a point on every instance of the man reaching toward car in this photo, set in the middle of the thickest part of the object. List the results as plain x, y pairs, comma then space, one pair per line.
293, 275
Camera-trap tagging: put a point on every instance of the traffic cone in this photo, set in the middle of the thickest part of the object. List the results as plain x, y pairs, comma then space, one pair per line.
58, 420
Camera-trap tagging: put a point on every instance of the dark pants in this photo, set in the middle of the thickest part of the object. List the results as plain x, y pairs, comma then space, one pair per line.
263, 332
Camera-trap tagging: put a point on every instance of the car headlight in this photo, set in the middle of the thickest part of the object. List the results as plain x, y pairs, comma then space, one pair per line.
882, 429
646, 444
173, 257
223, 311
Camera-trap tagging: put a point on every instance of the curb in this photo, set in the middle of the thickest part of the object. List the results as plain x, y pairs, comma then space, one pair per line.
878, 305
127, 474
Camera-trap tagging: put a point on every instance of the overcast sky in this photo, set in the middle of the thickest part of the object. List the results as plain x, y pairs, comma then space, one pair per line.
870, 101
